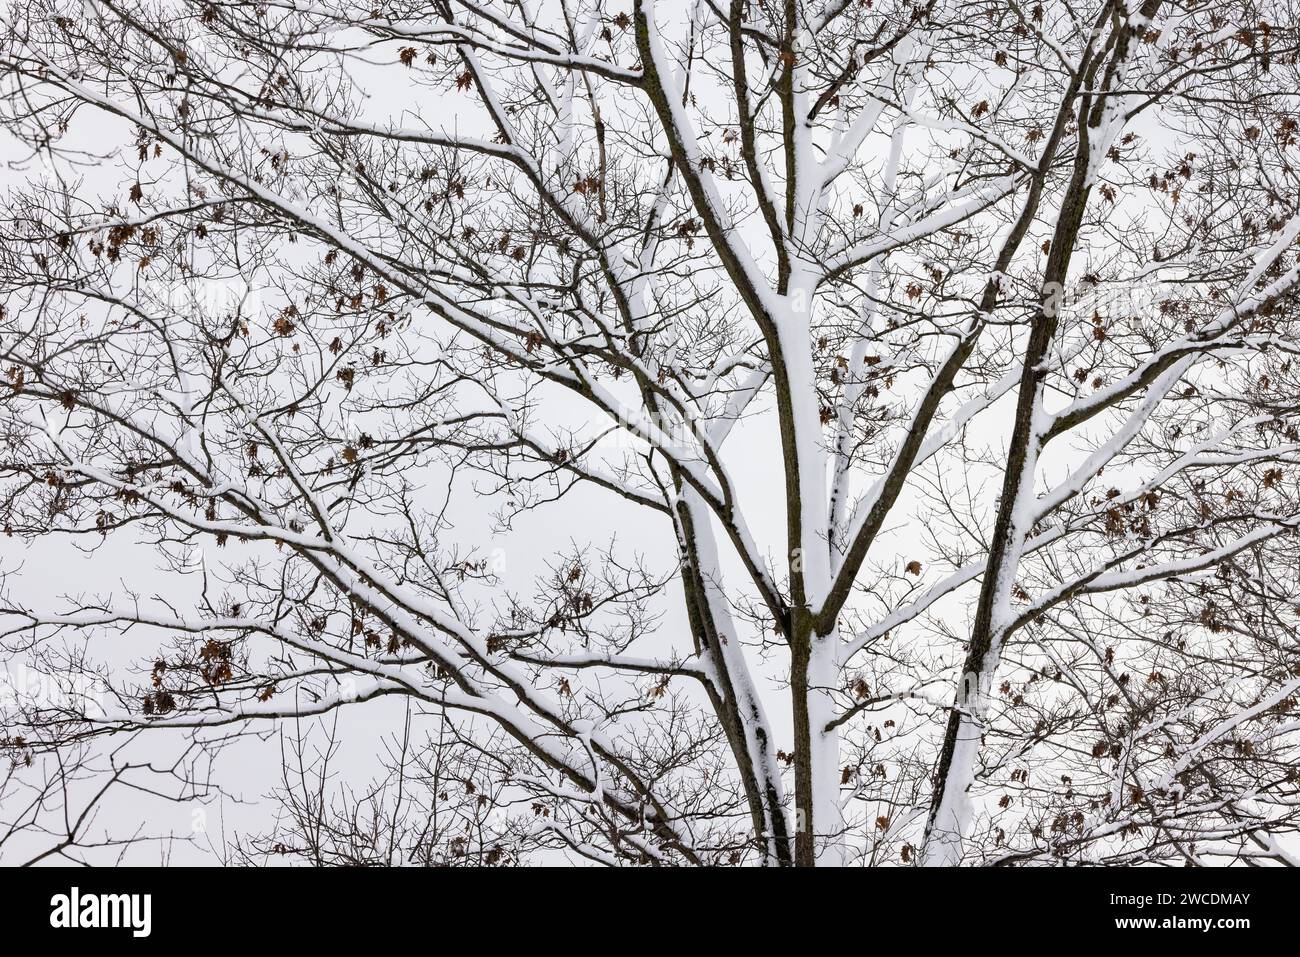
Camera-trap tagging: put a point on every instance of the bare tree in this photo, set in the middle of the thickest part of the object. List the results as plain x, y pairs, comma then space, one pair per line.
435, 806
53, 803
934, 360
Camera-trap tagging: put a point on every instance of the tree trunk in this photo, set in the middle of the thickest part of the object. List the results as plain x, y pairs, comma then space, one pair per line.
819, 827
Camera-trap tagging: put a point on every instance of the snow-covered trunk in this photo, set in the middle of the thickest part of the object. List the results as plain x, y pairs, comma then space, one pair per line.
819, 838
813, 647
813, 656
943, 844
951, 815
951, 812
732, 692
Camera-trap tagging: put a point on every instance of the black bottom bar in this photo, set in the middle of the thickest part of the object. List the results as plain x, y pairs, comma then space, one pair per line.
187, 906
